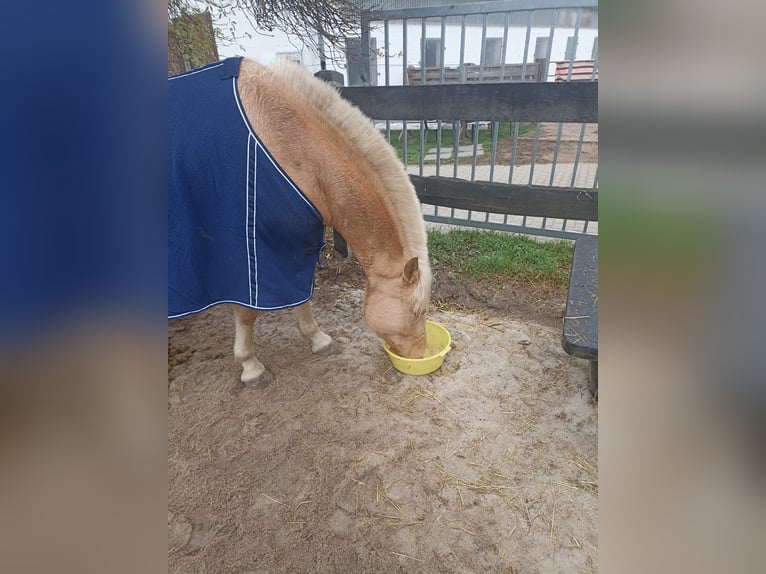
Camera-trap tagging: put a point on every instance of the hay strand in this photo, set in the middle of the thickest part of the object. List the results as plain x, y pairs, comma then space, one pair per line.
274, 500
405, 556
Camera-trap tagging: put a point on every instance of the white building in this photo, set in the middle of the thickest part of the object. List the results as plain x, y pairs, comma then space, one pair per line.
528, 33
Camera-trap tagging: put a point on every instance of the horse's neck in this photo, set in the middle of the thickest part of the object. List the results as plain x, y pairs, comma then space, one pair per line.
349, 194
352, 200
364, 216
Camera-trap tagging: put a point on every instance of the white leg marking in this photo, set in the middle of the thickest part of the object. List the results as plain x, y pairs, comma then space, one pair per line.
253, 371
321, 343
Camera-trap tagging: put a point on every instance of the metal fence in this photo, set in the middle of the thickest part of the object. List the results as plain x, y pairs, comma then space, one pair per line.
490, 42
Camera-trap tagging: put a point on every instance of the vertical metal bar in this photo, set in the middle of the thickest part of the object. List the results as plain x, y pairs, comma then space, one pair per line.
475, 149
526, 48
442, 35
483, 53
496, 125
555, 158
577, 156
482, 63
423, 50
405, 81
423, 80
455, 144
422, 144
475, 128
513, 150
594, 50
593, 79
386, 51
504, 47
595, 59
458, 121
576, 39
441, 81
549, 48
404, 52
364, 42
322, 57
523, 79
548, 51
403, 135
495, 130
462, 49
534, 153
556, 152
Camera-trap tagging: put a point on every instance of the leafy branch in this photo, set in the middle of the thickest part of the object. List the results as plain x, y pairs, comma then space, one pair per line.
333, 20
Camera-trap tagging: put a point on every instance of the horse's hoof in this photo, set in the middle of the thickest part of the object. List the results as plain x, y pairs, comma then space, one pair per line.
260, 382
325, 351
323, 347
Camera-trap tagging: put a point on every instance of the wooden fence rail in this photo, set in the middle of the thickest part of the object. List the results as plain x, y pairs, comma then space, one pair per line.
490, 197
516, 102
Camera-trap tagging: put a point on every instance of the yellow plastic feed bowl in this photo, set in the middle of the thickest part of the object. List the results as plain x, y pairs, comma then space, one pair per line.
438, 344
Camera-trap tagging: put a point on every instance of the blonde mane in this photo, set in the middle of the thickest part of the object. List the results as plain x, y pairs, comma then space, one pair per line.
381, 157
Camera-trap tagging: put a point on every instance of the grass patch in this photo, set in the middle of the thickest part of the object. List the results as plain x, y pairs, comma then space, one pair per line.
492, 255
485, 138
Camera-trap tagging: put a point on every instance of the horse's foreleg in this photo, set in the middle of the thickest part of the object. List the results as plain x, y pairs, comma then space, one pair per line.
321, 343
253, 371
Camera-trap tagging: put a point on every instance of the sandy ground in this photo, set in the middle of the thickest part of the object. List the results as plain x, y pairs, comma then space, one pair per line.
346, 465
546, 146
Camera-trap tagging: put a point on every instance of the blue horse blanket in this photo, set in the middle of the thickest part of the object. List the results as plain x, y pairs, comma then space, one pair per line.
239, 230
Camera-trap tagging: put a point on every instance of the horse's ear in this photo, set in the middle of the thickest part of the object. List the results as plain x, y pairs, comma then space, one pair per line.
411, 272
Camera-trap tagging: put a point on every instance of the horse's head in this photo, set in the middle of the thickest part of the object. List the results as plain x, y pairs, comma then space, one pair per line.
395, 309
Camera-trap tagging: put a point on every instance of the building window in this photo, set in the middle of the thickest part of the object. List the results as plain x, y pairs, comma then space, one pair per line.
293, 56
433, 52
541, 48
493, 52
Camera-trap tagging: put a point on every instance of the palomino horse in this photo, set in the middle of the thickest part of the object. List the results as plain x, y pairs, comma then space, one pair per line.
299, 139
